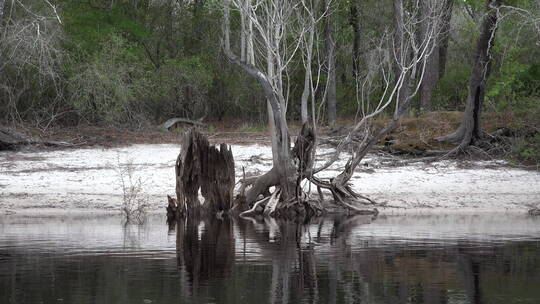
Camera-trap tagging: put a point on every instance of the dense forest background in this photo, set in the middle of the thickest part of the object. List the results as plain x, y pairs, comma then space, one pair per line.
140, 62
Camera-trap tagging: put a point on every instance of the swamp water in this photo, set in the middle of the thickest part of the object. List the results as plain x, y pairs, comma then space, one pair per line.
490, 258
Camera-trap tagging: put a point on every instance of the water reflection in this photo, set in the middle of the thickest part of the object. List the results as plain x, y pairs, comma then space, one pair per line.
229, 260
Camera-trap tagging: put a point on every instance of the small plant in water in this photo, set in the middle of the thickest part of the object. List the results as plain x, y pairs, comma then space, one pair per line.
134, 199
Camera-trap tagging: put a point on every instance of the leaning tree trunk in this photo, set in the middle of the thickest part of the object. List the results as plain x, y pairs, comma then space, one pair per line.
200, 166
470, 129
283, 171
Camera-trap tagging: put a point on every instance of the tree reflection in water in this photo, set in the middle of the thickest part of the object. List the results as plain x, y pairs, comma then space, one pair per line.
205, 250
230, 260
324, 261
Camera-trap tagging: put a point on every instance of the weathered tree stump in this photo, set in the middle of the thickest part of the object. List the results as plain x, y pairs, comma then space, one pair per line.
203, 167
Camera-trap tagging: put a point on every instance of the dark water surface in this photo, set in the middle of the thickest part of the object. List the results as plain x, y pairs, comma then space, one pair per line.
395, 259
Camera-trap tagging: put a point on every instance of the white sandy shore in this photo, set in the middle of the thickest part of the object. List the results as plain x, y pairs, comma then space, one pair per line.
87, 180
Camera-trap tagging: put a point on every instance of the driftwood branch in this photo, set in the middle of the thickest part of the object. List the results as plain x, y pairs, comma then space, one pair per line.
173, 121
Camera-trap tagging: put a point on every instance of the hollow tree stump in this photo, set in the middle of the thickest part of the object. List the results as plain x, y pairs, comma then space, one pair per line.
203, 167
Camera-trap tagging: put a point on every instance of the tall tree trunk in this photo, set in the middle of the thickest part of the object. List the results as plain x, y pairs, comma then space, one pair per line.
2, 3
355, 24
431, 74
436, 62
470, 129
402, 55
331, 63
308, 78
445, 35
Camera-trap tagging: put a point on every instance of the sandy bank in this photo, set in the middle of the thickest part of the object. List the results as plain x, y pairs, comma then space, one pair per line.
87, 180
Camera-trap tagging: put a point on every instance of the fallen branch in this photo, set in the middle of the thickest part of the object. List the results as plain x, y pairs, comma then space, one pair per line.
257, 208
173, 121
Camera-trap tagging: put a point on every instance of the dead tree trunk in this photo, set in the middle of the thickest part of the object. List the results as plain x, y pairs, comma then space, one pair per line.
200, 166
282, 173
470, 129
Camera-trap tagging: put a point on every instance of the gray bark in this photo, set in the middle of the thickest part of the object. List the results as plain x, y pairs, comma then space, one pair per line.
355, 24
177, 120
305, 94
331, 63
2, 3
470, 128
445, 35
283, 169
402, 54
308, 76
203, 167
429, 82
431, 73
436, 62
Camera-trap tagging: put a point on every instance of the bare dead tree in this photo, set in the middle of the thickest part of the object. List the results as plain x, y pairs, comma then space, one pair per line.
409, 59
30, 55
271, 20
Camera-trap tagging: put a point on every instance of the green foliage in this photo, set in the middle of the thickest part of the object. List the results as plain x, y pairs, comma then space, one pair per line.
451, 91
88, 27
179, 86
106, 87
527, 149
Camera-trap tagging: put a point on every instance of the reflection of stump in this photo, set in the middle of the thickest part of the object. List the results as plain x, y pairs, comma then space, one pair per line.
200, 166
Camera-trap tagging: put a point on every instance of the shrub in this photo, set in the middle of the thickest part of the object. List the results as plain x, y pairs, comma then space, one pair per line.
527, 149
105, 88
134, 199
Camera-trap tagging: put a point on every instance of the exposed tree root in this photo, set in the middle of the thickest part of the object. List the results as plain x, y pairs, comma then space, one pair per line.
344, 196
257, 209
